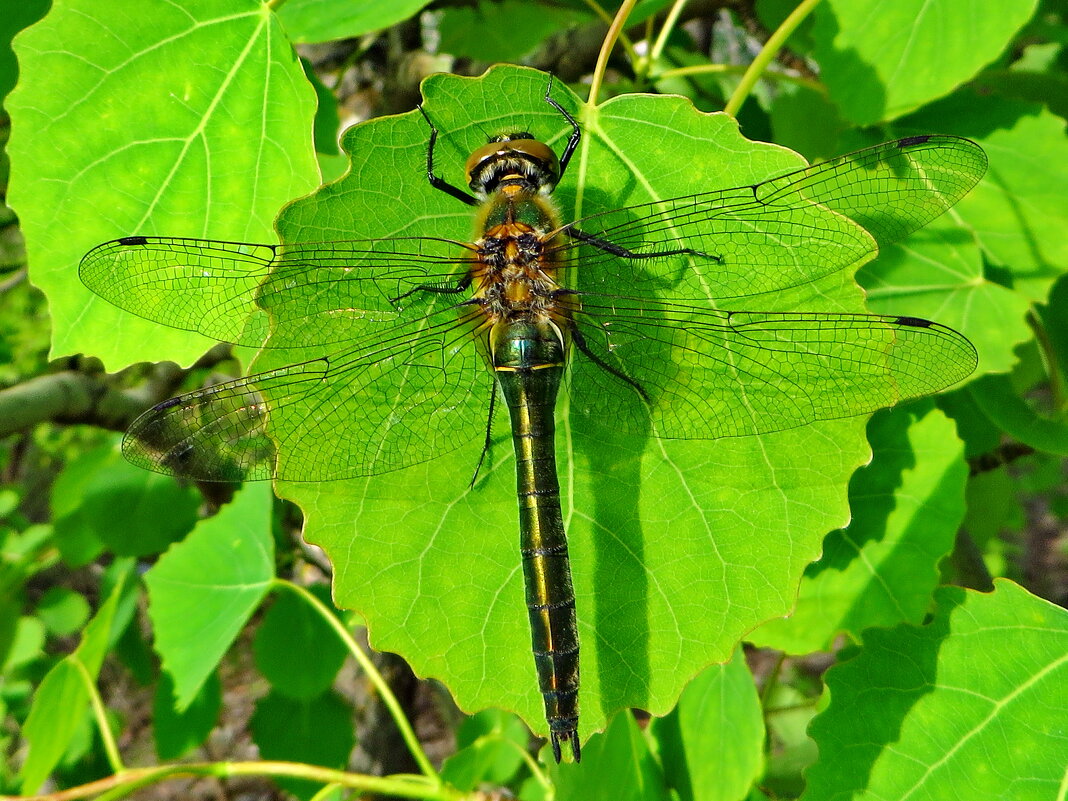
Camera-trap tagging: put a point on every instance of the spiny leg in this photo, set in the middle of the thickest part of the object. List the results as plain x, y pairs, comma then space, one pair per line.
576, 132
435, 181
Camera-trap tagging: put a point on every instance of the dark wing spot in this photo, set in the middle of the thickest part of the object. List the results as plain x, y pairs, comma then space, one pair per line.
913, 322
166, 404
134, 240
909, 141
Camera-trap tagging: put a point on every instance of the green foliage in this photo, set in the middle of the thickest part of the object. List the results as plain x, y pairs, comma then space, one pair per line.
289, 632
973, 704
143, 106
616, 764
712, 743
177, 732
622, 477
325, 20
100, 501
317, 731
489, 750
61, 702
197, 119
908, 504
888, 62
205, 589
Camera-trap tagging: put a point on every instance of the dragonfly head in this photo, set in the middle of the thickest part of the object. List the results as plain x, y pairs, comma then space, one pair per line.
513, 158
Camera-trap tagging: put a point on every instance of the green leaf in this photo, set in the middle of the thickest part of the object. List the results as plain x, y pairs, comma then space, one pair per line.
938, 276
27, 644
325, 20
101, 499
133, 650
327, 122
881, 570
62, 699
788, 712
994, 510
318, 731
17, 16
489, 750
485, 31
1048, 87
616, 766
972, 705
203, 590
62, 610
177, 732
941, 274
994, 395
678, 547
640, 566
712, 744
1017, 211
115, 138
290, 631
882, 61
1053, 319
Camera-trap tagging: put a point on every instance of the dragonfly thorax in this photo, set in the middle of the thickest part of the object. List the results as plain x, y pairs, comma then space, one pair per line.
514, 274
513, 160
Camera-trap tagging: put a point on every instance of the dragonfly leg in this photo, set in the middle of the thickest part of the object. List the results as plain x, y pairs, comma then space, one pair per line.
580, 343
435, 181
576, 132
624, 253
488, 442
438, 289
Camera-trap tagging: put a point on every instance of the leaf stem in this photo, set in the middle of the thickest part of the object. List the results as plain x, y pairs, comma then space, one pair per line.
772, 680
606, 18
388, 698
714, 69
767, 54
614, 31
125, 782
665, 31
1049, 355
111, 749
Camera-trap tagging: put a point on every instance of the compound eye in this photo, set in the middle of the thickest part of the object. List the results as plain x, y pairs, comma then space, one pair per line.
515, 149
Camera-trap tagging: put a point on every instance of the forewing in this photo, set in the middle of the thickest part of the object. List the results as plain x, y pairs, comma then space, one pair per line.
189, 284
777, 234
217, 288
409, 391
700, 374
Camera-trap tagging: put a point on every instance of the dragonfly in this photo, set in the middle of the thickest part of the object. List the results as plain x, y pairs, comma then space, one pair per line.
626, 308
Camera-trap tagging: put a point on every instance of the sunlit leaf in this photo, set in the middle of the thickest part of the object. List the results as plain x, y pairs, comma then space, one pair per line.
971, 705
112, 138
880, 570
204, 589
882, 61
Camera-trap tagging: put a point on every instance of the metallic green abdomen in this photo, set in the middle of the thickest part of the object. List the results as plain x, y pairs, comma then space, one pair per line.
528, 359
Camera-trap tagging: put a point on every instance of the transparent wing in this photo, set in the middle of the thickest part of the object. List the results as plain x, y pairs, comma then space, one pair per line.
700, 374
409, 384
406, 393
217, 288
750, 240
